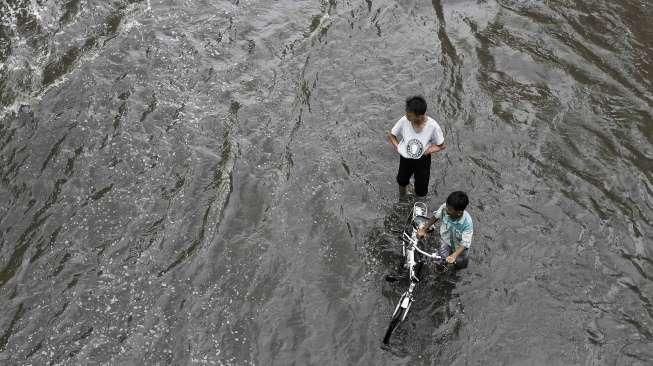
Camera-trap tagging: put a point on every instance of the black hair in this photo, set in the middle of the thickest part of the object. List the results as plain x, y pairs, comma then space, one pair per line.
416, 104
458, 200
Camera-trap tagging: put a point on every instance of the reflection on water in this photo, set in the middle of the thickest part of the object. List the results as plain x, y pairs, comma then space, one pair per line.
208, 182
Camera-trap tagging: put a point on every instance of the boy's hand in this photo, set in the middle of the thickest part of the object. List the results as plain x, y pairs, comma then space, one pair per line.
452, 258
421, 232
434, 148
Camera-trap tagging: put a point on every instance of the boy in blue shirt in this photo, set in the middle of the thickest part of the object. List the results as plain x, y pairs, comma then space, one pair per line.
456, 229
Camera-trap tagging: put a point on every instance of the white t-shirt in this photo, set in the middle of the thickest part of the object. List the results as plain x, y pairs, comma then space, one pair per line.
413, 144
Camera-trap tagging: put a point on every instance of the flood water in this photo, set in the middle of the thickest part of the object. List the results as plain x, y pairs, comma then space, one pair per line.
208, 182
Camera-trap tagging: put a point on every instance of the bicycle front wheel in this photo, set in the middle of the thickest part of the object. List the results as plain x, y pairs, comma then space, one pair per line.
394, 322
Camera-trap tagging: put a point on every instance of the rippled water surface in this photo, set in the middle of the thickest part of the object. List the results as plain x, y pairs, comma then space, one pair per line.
208, 182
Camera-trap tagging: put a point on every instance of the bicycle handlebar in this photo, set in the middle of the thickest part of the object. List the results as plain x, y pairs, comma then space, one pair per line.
413, 243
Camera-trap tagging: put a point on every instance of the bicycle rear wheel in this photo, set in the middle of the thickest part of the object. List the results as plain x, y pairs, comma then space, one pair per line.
394, 322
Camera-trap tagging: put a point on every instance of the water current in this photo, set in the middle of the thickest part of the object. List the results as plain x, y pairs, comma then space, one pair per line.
208, 182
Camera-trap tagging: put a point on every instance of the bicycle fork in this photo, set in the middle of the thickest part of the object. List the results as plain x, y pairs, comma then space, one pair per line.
405, 301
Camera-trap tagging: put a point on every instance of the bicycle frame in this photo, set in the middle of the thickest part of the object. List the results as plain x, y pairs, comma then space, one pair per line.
409, 253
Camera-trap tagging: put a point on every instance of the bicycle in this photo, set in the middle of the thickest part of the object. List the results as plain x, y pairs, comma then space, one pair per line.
409, 246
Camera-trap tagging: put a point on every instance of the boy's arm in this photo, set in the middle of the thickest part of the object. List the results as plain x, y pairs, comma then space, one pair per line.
437, 142
435, 148
395, 131
421, 232
436, 216
466, 243
455, 254
393, 141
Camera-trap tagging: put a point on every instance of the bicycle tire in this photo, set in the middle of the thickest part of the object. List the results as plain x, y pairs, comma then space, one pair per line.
394, 322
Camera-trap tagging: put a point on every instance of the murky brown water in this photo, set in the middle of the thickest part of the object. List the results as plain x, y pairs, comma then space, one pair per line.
207, 182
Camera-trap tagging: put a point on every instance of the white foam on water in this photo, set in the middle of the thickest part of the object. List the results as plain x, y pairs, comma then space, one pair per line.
17, 62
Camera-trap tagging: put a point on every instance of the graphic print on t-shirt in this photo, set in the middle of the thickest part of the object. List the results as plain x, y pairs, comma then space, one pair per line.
414, 148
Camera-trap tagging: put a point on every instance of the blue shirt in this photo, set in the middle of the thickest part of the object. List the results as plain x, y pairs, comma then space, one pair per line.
455, 232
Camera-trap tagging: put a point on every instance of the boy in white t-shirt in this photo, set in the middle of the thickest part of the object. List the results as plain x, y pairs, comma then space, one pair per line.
421, 136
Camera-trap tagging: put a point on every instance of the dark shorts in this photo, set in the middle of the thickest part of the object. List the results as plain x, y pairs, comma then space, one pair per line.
420, 168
